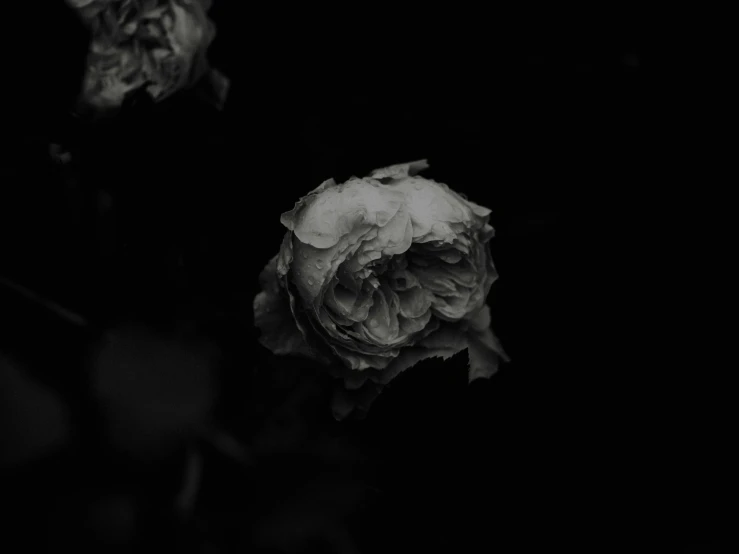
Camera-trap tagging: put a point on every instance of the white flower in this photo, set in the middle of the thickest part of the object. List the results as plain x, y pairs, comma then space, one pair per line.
380, 273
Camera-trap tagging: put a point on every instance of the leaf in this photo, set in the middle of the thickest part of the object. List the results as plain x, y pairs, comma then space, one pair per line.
445, 342
473, 335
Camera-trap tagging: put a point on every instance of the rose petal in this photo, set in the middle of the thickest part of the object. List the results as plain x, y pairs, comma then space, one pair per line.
480, 320
393, 239
305, 325
313, 268
322, 219
348, 279
274, 319
340, 299
435, 280
285, 257
485, 351
485, 354
411, 326
402, 279
414, 302
288, 218
486, 233
399, 171
450, 256
355, 340
393, 301
453, 307
380, 325
480, 211
432, 203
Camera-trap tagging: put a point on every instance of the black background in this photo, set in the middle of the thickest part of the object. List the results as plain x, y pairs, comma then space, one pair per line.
578, 134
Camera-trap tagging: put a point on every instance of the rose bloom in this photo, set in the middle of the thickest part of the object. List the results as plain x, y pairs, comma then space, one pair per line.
157, 45
378, 274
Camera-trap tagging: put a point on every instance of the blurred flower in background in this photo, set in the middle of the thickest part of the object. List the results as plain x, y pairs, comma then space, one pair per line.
152, 46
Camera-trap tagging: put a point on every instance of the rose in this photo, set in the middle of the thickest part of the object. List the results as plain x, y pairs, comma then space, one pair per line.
380, 273
155, 45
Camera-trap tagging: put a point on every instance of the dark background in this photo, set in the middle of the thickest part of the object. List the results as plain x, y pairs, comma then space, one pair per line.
579, 136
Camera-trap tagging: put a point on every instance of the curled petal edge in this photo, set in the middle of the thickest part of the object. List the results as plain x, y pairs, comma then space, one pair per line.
484, 352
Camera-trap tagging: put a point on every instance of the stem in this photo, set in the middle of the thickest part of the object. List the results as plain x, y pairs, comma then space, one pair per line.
193, 476
53, 307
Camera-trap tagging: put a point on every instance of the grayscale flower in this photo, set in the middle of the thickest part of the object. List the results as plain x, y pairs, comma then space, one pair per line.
379, 273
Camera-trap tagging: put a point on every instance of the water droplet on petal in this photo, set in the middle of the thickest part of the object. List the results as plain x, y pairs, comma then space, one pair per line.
373, 323
310, 281
319, 265
305, 255
418, 186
